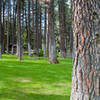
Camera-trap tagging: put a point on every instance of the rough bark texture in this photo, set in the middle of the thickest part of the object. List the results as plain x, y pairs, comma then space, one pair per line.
85, 72
52, 43
62, 22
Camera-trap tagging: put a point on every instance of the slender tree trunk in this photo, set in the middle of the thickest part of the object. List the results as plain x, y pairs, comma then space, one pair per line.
3, 30
0, 33
8, 33
34, 30
19, 29
45, 31
29, 40
83, 79
23, 28
33, 26
47, 42
40, 30
14, 27
52, 43
37, 28
62, 21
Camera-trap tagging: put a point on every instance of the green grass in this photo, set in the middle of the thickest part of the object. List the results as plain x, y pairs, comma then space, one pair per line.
34, 79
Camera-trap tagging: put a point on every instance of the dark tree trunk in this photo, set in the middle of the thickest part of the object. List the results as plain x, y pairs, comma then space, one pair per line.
33, 27
29, 40
45, 31
23, 28
40, 30
3, 29
52, 43
19, 29
62, 22
36, 48
48, 39
8, 31
14, 27
0, 33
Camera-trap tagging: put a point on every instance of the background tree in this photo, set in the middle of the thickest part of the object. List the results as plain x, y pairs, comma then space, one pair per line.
52, 43
62, 27
0, 32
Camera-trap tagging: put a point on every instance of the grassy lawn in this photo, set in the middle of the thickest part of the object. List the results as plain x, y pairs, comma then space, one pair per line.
34, 79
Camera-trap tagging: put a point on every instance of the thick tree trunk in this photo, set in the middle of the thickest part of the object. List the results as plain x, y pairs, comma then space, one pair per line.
62, 21
84, 65
52, 43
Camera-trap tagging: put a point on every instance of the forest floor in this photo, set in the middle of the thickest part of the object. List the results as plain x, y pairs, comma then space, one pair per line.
34, 79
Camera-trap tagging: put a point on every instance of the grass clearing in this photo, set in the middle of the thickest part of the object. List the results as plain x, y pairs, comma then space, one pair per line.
34, 79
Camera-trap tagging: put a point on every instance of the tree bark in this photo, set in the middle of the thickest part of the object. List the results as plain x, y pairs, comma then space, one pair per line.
52, 43
8, 33
29, 41
45, 31
3, 29
83, 79
19, 29
62, 26
0, 33
14, 27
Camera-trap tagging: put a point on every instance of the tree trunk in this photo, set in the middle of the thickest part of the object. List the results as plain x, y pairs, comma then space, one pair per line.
36, 48
62, 21
83, 79
8, 33
52, 43
47, 36
45, 31
14, 27
40, 30
33, 27
3, 29
19, 29
0, 33
29, 40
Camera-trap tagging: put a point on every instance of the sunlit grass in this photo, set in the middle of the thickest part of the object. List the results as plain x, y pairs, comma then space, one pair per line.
34, 79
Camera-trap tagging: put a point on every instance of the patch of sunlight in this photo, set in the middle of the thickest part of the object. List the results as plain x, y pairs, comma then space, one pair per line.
23, 80
1, 85
62, 84
46, 88
6, 99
